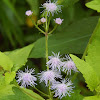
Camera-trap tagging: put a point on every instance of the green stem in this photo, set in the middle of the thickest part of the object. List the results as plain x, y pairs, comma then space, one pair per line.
37, 26
46, 45
46, 29
53, 30
49, 21
41, 92
46, 42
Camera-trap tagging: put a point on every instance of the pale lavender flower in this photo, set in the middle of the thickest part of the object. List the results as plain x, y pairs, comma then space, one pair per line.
69, 65
58, 21
51, 7
26, 78
62, 89
55, 61
28, 12
49, 75
43, 20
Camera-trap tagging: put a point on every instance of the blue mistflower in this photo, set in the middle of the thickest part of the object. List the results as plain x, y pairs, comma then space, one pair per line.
26, 78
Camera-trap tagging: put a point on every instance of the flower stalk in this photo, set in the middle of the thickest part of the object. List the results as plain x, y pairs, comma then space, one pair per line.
36, 25
46, 47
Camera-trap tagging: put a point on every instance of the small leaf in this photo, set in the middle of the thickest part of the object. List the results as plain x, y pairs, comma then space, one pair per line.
9, 77
5, 62
2, 80
88, 72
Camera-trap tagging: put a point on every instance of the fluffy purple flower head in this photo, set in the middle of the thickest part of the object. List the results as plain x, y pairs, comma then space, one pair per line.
49, 75
55, 61
26, 78
62, 89
51, 7
69, 65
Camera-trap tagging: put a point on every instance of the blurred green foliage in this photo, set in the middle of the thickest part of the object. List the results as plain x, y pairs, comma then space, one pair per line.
16, 30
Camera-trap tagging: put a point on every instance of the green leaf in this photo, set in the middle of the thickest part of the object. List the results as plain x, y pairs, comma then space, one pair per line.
74, 96
73, 39
5, 90
20, 56
95, 5
9, 77
93, 53
2, 79
98, 89
92, 98
5, 62
88, 72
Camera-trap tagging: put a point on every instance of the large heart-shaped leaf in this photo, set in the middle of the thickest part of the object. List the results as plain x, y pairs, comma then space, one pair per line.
72, 39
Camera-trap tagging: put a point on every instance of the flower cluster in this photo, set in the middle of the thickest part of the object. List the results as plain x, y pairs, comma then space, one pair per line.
62, 64
56, 65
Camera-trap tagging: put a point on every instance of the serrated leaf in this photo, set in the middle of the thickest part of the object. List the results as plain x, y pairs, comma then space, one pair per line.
88, 72
95, 5
93, 53
92, 98
9, 77
20, 56
72, 39
5, 62
74, 96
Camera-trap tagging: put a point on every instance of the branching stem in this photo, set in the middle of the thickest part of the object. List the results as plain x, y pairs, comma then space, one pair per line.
37, 25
